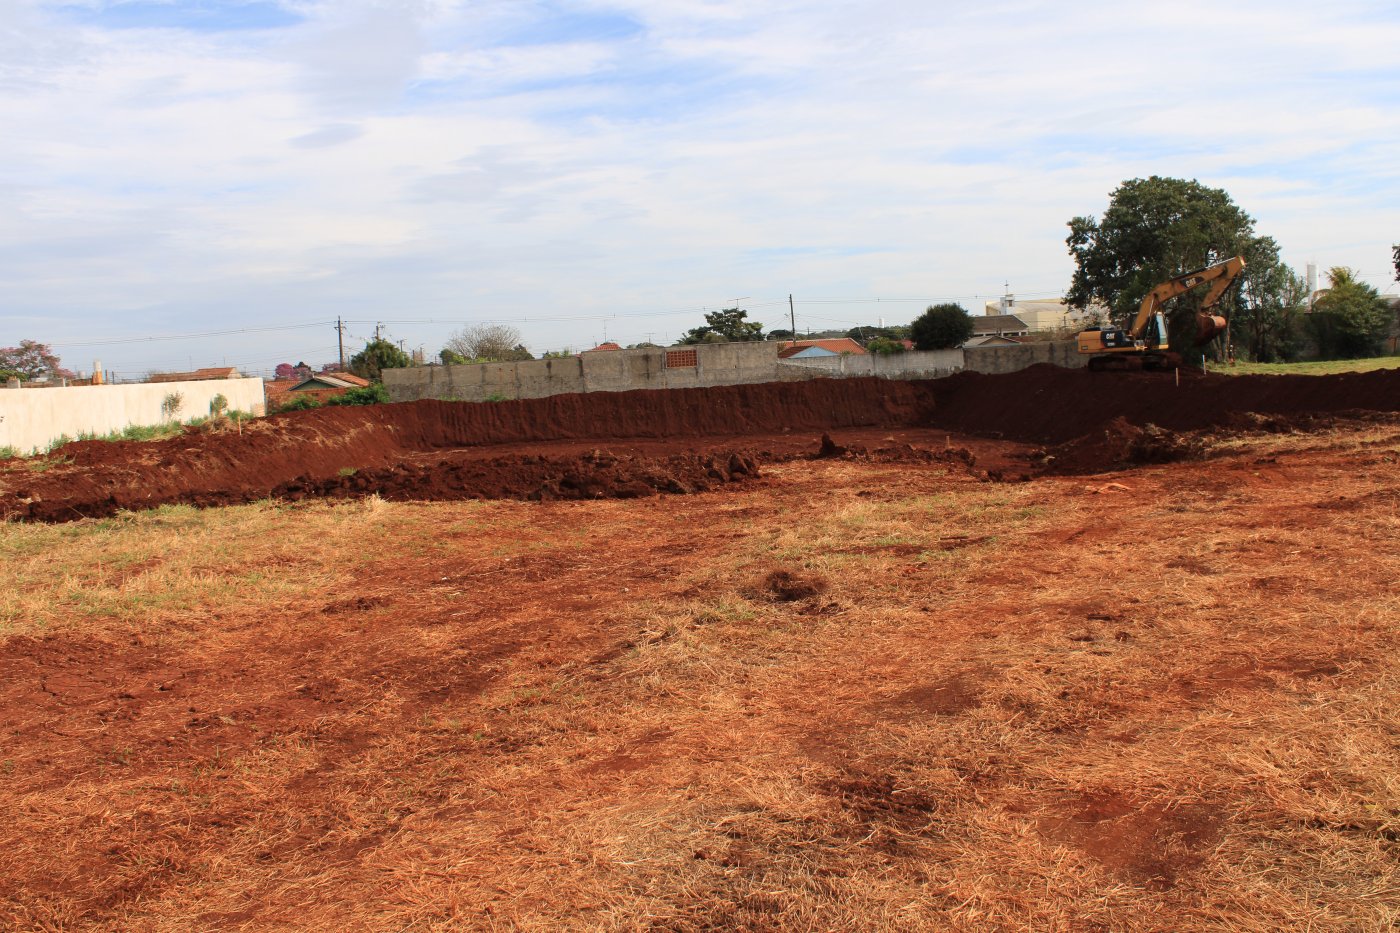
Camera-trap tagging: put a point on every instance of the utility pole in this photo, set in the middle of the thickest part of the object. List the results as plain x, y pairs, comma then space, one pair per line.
340, 334
377, 329
793, 315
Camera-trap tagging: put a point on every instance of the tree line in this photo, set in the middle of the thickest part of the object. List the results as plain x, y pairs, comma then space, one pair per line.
1156, 229
1153, 230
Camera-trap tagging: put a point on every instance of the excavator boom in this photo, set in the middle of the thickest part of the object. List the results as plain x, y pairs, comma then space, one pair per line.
1222, 274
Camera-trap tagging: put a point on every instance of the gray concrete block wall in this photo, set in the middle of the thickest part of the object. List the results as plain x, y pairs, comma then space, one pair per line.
601, 371
717, 364
912, 365
1063, 353
611, 371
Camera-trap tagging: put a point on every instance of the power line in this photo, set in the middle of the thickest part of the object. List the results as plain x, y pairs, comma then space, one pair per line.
113, 341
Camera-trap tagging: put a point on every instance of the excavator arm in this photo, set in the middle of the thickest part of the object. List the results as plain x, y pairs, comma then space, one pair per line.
1222, 274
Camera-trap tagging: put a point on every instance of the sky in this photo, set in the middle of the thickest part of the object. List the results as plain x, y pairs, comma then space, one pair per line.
216, 182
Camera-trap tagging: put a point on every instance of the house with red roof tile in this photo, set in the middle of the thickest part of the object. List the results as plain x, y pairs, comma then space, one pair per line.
811, 349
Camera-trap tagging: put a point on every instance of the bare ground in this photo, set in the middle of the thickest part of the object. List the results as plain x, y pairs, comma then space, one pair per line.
848, 693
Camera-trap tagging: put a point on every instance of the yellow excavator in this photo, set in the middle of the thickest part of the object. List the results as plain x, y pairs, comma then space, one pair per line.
1144, 345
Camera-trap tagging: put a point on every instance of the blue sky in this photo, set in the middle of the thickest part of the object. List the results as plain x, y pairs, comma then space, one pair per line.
205, 16
589, 170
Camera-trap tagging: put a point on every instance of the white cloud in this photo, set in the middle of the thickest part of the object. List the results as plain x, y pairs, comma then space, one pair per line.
456, 160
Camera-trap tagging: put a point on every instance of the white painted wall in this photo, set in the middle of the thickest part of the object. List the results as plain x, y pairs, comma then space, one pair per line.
31, 419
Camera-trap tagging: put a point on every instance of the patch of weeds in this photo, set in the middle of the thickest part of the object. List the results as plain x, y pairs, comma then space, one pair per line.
40, 464
132, 432
889, 540
168, 514
347, 471
723, 611
143, 432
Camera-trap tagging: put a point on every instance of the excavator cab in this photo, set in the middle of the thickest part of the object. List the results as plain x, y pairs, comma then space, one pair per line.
1154, 337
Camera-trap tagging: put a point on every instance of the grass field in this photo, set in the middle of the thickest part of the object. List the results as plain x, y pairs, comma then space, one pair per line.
851, 696
1310, 368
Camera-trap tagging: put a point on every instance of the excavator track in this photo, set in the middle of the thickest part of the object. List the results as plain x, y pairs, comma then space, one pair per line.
1134, 362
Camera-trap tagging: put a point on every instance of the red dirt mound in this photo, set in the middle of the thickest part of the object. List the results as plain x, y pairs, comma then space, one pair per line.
1117, 444
312, 448
597, 475
385, 446
1048, 405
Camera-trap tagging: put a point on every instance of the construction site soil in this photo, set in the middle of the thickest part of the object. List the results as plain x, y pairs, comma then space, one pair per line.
630, 444
904, 663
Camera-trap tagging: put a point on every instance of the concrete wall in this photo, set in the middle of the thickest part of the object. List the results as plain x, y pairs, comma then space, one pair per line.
1009, 359
601, 371
31, 419
717, 364
912, 365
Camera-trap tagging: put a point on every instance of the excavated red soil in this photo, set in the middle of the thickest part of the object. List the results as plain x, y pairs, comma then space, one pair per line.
600, 474
677, 441
1048, 405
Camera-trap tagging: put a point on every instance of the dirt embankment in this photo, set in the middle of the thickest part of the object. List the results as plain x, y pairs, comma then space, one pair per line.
316, 451
1048, 405
434, 450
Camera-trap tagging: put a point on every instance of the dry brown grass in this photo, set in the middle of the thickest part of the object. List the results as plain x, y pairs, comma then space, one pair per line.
1002, 707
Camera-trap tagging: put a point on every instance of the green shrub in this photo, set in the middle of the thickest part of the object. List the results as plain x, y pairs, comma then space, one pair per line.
300, 403
374, 394
884, 346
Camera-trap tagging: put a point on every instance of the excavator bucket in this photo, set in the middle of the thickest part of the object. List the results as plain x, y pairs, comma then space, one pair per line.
1208, 327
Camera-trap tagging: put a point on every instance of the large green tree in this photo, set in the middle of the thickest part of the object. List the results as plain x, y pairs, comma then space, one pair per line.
377, 356
723, 326
1156, 229
1268, 322
1350, 318
941, 327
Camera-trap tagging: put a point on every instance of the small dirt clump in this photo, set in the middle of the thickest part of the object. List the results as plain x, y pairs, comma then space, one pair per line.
788, 587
